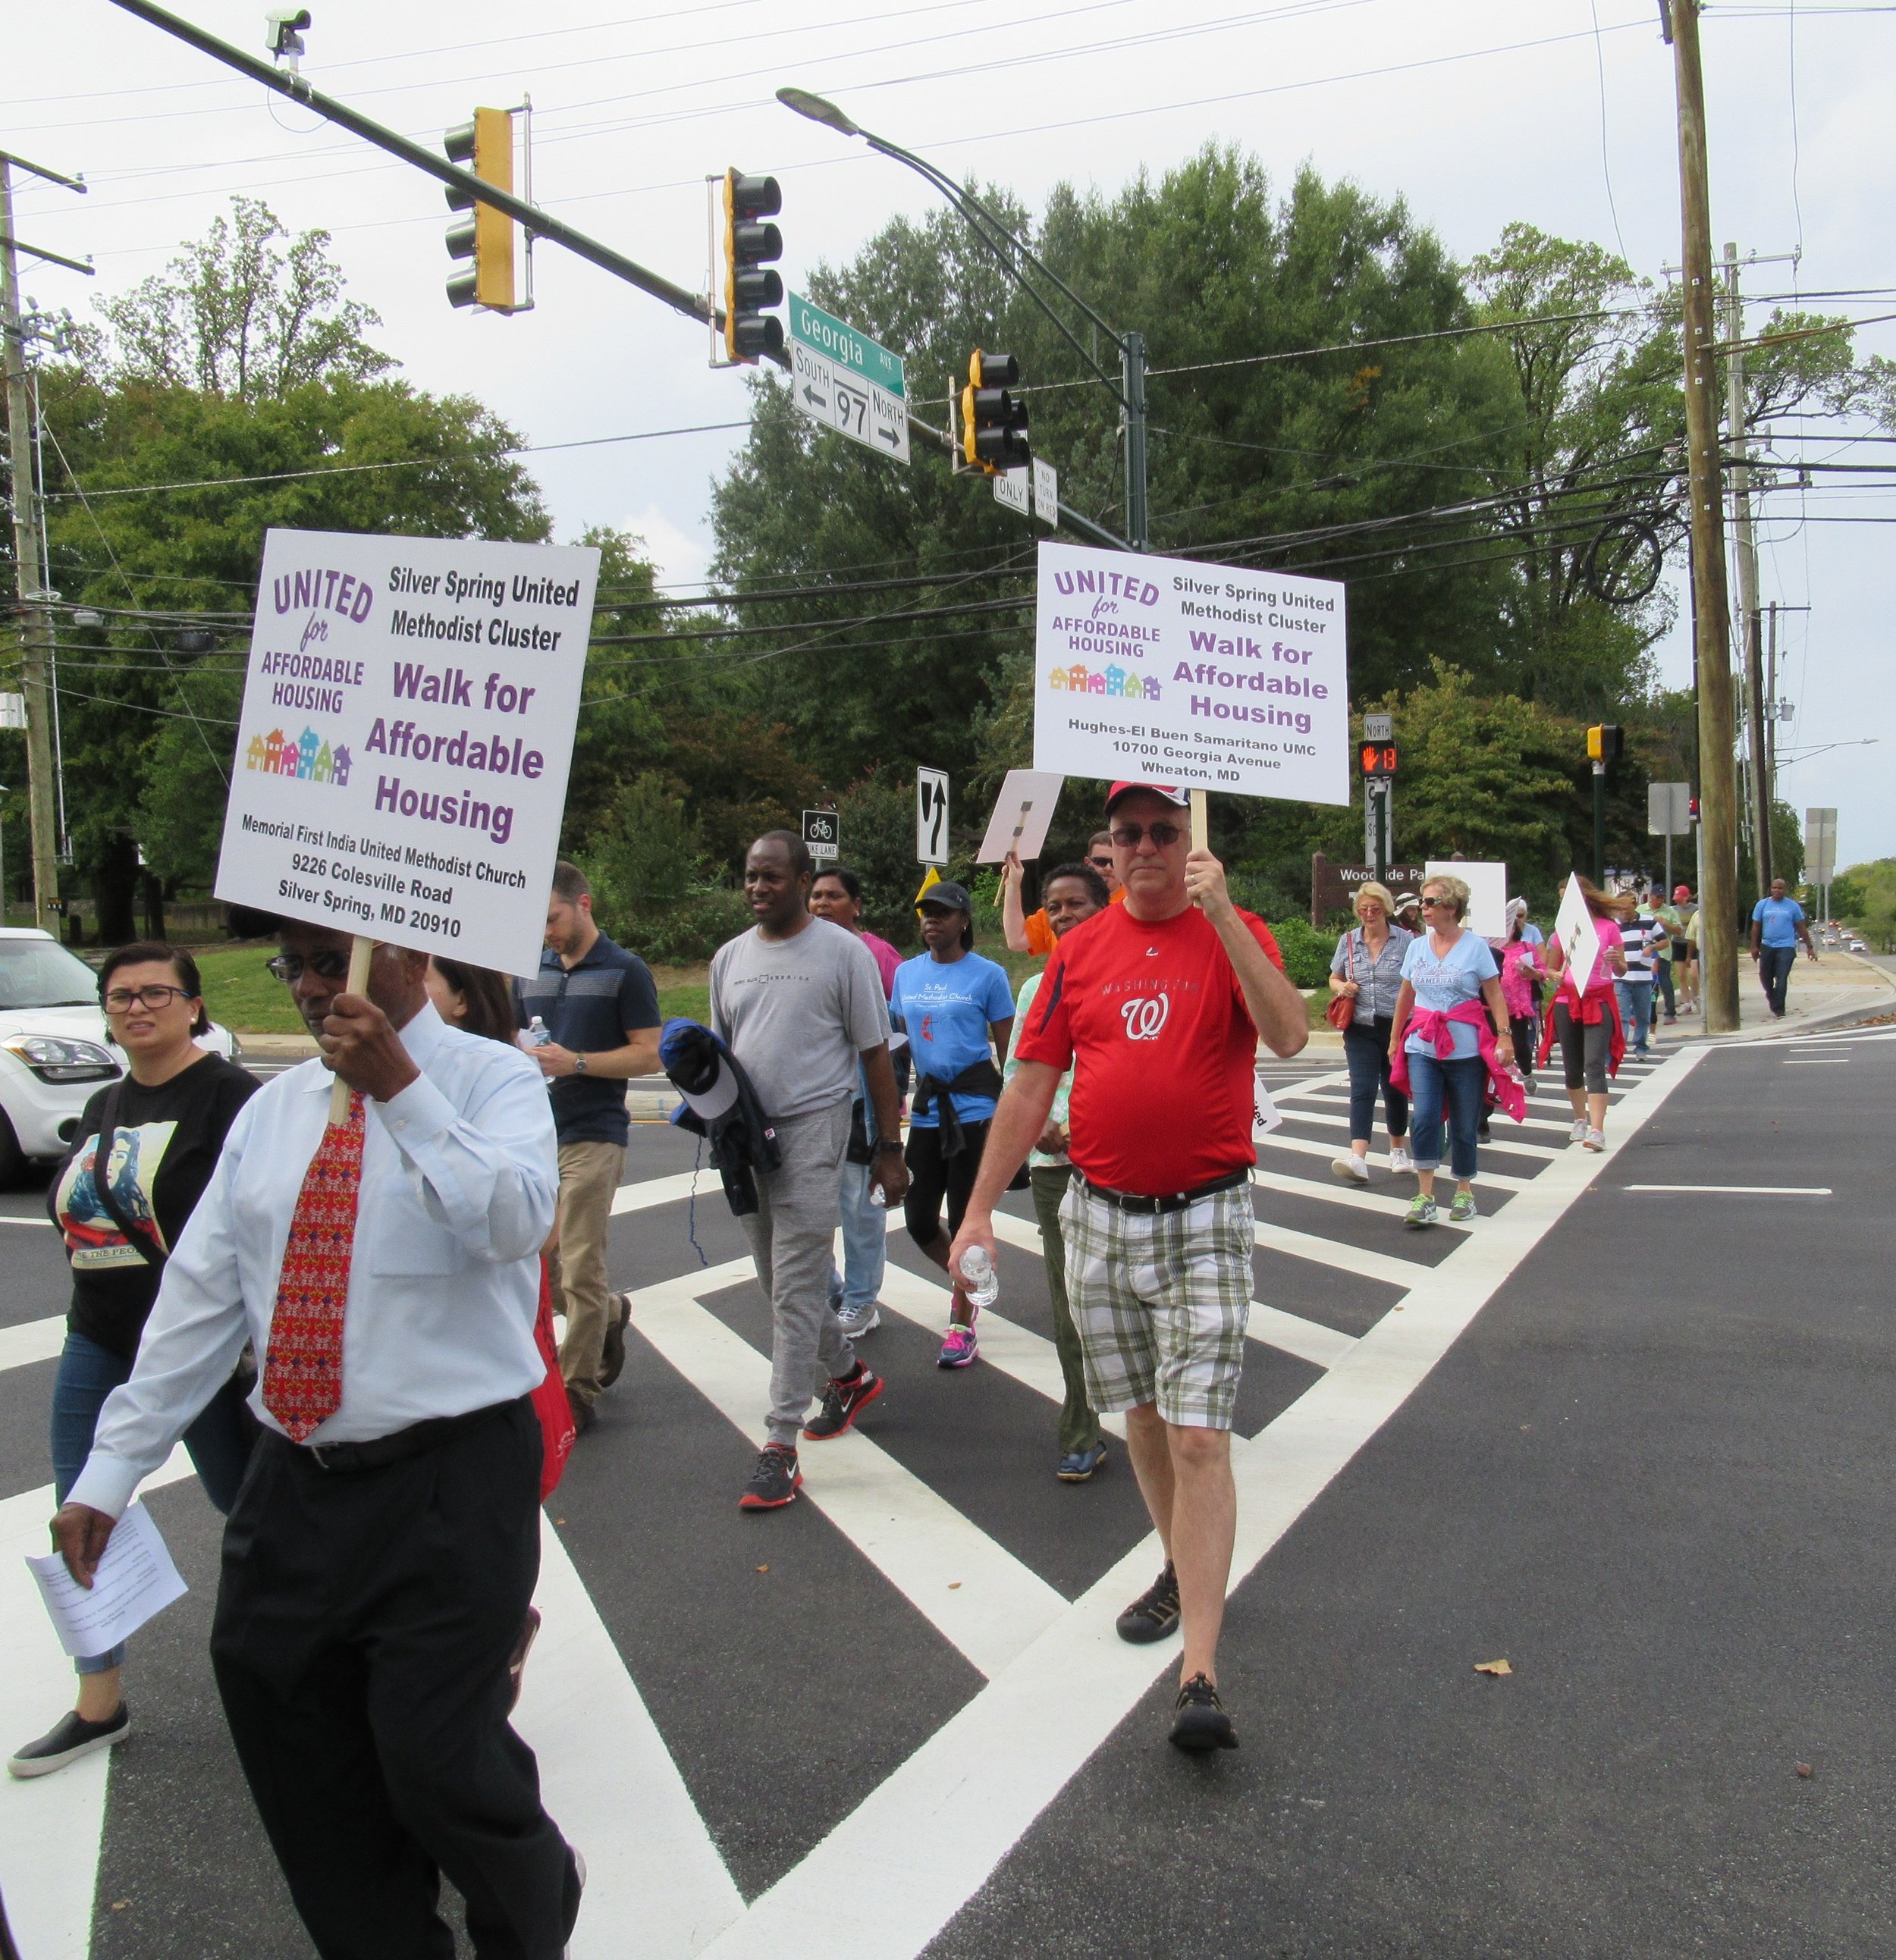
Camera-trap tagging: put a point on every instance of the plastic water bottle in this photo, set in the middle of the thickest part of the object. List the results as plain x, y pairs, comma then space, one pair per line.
981, 1281
536, 1034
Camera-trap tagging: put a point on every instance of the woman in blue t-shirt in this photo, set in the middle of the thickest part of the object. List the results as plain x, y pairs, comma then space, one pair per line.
1450, 982
957, 1010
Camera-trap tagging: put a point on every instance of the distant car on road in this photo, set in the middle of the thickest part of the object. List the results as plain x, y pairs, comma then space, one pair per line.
1857, 945
53, 1050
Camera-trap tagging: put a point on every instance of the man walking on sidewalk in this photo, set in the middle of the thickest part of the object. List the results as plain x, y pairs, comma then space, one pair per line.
600, 1009
1777, 924
1074, 893
799, 1002
1158, 1004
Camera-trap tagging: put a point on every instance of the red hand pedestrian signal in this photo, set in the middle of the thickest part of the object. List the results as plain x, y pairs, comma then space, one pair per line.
1377, 758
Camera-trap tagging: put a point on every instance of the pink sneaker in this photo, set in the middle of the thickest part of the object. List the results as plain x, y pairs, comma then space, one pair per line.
958, 1348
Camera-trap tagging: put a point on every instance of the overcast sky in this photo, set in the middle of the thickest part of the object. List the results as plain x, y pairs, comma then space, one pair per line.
1477, 111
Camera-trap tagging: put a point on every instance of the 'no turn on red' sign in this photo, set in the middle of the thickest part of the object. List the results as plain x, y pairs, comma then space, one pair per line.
406, 732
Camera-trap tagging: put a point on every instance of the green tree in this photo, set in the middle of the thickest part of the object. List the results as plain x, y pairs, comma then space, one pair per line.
237, 314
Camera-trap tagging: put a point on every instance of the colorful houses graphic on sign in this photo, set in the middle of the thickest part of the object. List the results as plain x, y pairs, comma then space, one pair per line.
1115, 681
308, 757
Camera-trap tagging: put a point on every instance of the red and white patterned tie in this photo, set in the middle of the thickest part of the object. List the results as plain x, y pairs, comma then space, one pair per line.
303, 1372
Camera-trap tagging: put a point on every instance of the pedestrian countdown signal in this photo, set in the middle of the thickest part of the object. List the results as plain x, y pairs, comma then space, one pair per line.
1377, 759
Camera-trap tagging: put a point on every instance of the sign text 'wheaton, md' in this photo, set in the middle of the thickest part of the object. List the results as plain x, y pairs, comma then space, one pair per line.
1210, 676
407, 729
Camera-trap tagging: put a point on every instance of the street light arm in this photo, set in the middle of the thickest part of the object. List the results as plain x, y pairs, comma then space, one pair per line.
1000, 242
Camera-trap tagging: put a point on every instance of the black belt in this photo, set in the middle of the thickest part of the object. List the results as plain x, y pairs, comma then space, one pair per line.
379, 1451
1148, 1208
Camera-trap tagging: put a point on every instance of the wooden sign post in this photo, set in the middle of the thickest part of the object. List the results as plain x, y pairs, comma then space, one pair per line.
360, 952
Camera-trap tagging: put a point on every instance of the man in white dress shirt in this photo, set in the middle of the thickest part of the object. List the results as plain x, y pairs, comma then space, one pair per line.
381, 1557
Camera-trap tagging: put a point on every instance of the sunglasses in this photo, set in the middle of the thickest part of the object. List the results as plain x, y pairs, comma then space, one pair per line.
289, 967
123, 1000
1449, 903
1163, 834
1101, 863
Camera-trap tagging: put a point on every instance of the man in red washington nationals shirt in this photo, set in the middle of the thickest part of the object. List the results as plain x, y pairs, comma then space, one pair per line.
1158, 1003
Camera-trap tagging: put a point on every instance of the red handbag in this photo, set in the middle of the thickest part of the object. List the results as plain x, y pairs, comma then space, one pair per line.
550, 1405
1341, 1011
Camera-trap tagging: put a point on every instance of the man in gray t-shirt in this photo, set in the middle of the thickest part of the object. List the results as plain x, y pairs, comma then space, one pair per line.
800, 1002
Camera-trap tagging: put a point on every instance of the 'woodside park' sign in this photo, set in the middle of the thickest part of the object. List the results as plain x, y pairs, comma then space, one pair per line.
406, 732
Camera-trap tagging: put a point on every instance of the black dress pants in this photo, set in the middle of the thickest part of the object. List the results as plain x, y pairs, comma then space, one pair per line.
365, 1619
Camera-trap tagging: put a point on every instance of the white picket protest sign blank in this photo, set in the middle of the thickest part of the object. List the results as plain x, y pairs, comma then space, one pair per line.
1214, 677
1487, 885
1573, 927
1023, 811
406, 732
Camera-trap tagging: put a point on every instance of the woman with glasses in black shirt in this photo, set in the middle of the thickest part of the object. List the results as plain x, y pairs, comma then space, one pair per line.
147, 1145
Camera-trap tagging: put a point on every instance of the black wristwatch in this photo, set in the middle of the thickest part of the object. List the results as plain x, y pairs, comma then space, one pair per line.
888, 1143
579, 1064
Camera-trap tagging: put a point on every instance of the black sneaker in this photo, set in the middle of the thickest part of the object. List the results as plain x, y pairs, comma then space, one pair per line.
69, 1738
842, 1403
775, 1481
612, 1355
1198, 1720
1154, 1614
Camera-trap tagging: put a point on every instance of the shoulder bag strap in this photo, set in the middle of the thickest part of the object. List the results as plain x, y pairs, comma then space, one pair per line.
140, 1241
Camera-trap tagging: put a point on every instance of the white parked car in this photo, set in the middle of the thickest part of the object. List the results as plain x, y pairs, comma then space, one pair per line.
55, 1049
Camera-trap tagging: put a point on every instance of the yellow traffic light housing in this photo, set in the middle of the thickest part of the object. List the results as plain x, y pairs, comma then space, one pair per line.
993, 423
486, 236
1603, 744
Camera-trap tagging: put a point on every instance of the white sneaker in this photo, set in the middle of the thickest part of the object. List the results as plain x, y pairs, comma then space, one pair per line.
1352, 1169
1400, 1159
861, 1320
1595, 1139
1578, 1133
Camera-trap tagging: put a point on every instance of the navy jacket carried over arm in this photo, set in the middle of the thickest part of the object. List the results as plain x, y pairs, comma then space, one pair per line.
721, 1106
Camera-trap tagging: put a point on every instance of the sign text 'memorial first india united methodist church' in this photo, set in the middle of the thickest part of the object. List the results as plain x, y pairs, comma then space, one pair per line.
420, 801
1209, 676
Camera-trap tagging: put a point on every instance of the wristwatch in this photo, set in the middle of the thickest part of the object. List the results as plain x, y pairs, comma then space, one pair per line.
888, 1143
579, 1064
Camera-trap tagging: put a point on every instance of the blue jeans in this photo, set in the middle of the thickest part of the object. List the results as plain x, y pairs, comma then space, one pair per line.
1663, 968
1366, 1050
219, 1441
1458, 1083
1774, 965
1635, 1009
865, 1242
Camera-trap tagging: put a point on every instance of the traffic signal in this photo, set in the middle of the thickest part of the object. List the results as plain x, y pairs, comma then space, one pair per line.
1378, 759
485, 145
749, 284
1603, 744
993, 424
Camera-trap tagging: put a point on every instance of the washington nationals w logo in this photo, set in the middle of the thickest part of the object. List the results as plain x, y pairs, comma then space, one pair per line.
1145, 1018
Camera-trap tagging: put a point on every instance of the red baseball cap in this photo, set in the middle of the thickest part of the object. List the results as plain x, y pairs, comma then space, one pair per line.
1682, 892
1171, 792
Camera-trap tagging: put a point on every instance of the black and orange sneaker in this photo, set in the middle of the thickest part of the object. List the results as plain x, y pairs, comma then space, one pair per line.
775, 1481
1198, 1720
842, 1403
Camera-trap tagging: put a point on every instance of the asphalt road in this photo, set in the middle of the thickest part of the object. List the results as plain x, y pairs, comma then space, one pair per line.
1633, 1442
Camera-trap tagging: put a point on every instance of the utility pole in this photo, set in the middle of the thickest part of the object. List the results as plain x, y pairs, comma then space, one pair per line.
1132, 349
1718, 892
1757, 775
29, 553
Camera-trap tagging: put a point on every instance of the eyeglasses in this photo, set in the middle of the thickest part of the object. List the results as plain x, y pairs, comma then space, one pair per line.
1449, 903
1163, 834
289, 967
1101, 863
123, 1000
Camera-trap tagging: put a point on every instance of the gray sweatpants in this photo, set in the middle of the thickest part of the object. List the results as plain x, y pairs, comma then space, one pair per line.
792, 1236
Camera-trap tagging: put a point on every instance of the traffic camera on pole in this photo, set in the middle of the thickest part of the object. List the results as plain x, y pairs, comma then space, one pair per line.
485, 145
994, 422
750, 334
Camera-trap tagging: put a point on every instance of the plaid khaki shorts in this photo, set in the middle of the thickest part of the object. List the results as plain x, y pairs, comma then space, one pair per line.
1160, 1302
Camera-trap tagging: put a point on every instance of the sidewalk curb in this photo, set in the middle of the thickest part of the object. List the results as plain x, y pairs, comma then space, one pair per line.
1836, 1017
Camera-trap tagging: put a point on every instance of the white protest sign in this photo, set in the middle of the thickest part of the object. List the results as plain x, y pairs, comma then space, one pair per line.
406, 732
1579, 938
1205, 675
1022, 813
1487, 883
